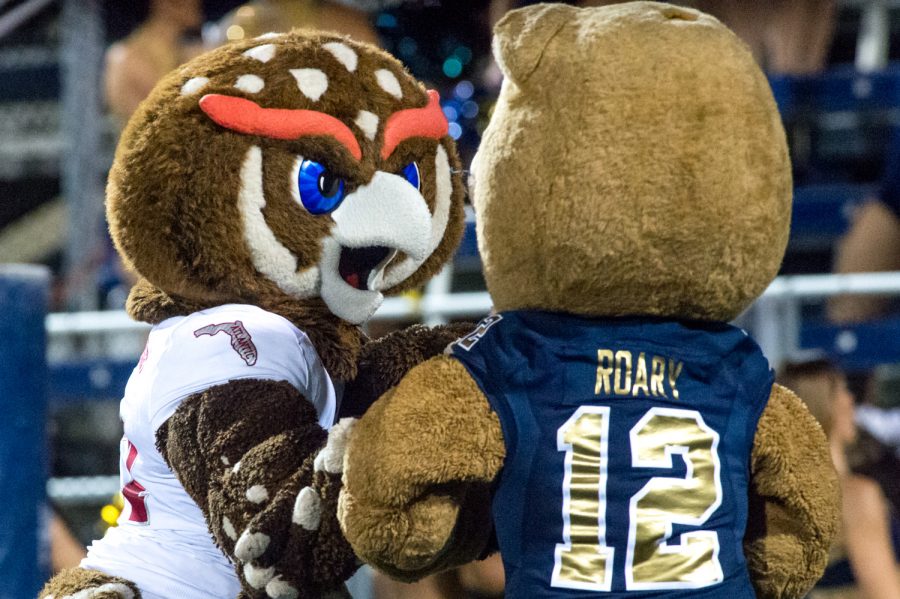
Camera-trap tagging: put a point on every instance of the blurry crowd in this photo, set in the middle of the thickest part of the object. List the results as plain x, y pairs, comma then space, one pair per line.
790, 37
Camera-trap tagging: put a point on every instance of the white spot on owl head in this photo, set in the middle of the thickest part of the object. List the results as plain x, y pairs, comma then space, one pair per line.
249, 83
368, 123
262, 53
343, 53
388, 82
312, 82
193, 85
268, 36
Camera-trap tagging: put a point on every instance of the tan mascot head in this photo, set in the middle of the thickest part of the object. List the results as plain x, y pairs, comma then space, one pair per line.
620, 177
285, 168
607, 427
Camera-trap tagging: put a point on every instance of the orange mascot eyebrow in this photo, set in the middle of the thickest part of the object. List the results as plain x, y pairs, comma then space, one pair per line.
415, 122
246, 116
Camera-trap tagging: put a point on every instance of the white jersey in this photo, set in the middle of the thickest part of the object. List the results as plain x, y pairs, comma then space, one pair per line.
162, 542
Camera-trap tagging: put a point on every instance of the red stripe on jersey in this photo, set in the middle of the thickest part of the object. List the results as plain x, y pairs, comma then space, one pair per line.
134, 492
132, 456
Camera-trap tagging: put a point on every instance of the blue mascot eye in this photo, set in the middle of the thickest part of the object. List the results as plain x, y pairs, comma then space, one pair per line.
320, 190
410, 172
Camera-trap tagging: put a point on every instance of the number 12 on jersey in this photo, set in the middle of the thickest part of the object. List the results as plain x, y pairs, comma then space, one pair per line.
583, 560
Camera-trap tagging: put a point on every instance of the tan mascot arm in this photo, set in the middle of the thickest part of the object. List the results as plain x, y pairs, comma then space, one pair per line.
421, 503
793, 496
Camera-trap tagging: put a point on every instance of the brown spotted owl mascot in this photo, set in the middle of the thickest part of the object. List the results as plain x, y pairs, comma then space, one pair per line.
269, 194
606, 428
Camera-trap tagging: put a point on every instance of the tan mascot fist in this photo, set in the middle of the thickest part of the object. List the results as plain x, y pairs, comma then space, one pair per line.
606, 427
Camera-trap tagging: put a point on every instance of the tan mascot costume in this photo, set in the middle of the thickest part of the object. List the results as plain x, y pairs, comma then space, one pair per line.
606, 427
269, 194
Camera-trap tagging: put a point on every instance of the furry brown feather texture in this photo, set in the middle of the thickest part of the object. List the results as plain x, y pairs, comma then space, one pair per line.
228, 421
160, 220
384, 361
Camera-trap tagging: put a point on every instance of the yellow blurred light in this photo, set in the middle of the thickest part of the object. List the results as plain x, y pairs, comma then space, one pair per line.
246, 12
109, 514
118, 501
234, 33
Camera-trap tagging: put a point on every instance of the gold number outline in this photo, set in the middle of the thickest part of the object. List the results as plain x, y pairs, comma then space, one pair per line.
684, 538
602, 580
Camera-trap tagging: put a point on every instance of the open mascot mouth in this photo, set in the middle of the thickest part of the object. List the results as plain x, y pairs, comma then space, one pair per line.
363, 268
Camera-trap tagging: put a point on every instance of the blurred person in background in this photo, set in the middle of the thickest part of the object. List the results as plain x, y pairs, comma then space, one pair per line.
873, 458
865, 538
156, 47
871, 244
65, 550
787, 37
160, 44
132, 68
265, 16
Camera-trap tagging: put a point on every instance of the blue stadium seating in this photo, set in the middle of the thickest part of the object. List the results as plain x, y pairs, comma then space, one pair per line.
77, 381
857, 348
822, 212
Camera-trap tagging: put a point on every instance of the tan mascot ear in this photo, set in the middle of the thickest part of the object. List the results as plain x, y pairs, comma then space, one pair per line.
521, 37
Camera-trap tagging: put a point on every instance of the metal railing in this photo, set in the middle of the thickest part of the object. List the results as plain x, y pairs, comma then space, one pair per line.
774, 320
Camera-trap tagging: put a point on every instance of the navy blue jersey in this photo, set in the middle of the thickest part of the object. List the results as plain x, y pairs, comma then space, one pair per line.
628, 448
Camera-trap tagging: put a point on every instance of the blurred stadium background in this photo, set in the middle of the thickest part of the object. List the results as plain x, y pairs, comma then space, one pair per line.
70, 348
